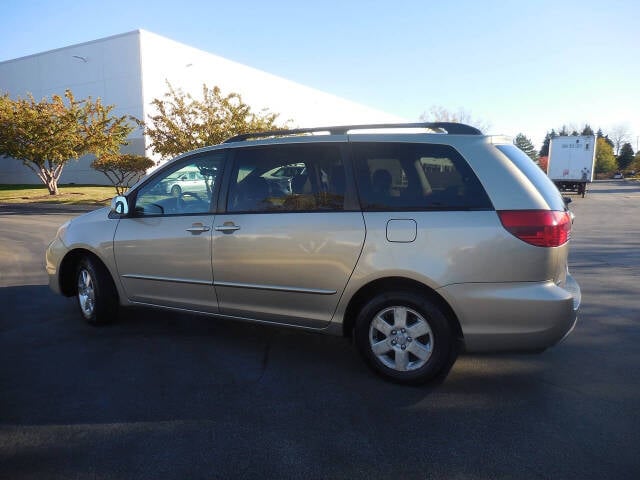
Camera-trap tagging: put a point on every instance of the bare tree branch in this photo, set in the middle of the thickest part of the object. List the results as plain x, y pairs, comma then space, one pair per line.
438, 113
619, 135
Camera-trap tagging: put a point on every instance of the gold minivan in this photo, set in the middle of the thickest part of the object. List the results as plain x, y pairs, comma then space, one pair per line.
413, 239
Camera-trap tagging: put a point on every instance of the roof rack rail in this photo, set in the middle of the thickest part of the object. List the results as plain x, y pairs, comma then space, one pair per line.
441, 127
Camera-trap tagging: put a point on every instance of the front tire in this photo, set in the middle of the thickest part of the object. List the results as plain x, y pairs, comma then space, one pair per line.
96, 294
405, 337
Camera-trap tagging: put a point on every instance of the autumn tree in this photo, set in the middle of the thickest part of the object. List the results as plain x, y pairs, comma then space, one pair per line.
45, 135
122, 169
183, 123
625, 157
438, 113
635, 164
524, 143
605, 159
543, 163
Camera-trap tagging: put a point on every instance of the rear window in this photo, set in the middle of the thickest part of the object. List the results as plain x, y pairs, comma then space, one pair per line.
406, 176
535, 175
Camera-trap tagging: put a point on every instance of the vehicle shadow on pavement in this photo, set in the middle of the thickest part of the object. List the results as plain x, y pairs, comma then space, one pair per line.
199, 388
153, 365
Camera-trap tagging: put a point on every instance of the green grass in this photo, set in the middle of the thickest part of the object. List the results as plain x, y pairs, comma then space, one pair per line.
68, 194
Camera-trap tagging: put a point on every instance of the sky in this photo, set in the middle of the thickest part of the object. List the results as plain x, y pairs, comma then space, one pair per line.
520, 67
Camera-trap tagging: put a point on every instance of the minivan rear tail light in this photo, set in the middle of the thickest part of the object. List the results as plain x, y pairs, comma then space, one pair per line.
542, 228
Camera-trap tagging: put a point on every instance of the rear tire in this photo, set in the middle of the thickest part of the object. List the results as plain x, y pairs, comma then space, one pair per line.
406, 338
95, 292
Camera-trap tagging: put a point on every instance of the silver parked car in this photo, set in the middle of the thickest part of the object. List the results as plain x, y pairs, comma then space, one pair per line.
412, 239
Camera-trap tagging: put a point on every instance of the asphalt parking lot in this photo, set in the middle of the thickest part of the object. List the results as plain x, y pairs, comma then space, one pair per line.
161, 395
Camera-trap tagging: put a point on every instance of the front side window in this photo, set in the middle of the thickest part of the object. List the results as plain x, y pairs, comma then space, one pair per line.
405, 176
287, 178
182, 189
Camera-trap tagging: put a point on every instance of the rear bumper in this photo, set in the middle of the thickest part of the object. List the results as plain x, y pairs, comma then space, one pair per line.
522, 316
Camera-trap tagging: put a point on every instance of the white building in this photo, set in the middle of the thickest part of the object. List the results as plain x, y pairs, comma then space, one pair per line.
131, 69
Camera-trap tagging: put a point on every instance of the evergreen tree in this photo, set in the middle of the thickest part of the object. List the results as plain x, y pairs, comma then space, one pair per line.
608, 140
544, 151
563, 131
601, 134
574, 133
587, 130
625, 157
525, 144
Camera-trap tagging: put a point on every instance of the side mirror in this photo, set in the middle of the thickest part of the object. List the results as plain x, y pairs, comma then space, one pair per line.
567, 201
119, 205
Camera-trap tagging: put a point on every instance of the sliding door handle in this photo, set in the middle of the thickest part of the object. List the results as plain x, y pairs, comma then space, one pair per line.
197, 228
227, 227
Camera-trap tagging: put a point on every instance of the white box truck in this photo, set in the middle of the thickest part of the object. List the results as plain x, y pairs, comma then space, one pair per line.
571, 162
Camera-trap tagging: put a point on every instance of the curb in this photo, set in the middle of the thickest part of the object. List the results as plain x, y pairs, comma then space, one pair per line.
42, 208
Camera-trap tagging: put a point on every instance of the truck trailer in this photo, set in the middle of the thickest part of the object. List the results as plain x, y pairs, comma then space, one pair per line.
571, 162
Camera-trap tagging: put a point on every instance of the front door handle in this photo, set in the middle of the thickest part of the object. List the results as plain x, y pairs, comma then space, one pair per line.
197, 228
228, 227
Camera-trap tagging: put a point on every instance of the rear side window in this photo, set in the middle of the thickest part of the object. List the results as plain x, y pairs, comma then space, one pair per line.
405, 176
287, 178
535, 175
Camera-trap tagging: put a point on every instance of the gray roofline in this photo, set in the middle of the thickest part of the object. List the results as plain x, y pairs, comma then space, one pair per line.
75, 45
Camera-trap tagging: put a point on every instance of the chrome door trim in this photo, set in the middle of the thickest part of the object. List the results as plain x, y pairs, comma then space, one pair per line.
278, 288
166, 279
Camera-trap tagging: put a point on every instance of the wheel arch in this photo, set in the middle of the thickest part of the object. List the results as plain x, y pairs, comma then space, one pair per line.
69, 265
377, 286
